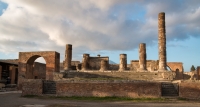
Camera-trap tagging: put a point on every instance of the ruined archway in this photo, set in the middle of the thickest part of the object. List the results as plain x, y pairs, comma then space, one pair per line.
26, 60
36, 68
176, 67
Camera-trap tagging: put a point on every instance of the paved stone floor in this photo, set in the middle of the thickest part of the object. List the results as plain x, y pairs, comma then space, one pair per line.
13, 99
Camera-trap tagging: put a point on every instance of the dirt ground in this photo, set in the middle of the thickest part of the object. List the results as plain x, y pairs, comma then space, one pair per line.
14, 99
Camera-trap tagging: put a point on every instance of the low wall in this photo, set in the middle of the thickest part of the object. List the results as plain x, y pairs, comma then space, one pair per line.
32, 87
189, 90
134, 90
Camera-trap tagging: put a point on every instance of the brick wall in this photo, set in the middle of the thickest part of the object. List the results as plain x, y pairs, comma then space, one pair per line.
134, 89
189, 90
32, 87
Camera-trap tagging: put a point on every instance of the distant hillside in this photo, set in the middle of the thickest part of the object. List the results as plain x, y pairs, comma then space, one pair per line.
112, 62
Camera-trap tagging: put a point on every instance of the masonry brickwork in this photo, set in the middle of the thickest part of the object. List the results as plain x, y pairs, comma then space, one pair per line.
32, 87
26, 60
189, 89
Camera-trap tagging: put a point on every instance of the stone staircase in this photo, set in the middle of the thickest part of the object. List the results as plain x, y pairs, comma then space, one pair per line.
169, 89
49, 87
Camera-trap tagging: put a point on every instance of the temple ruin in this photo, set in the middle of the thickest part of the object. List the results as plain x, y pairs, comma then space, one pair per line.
94, 76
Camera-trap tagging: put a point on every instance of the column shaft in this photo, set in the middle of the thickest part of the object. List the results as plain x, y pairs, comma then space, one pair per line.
142, 56
68, 57
162, 42
123, 62
104, 65
85, 61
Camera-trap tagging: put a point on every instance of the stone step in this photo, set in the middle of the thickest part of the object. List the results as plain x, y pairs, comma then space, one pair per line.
168, 89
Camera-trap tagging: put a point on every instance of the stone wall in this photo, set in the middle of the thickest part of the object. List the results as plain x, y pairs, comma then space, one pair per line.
151, 65
32, 87
39, 70
95, 62
189, 90
133, 90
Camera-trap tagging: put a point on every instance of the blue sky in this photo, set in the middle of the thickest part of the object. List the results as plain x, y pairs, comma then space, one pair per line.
106, 27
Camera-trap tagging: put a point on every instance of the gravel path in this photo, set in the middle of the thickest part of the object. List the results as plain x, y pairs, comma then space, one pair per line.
13, 99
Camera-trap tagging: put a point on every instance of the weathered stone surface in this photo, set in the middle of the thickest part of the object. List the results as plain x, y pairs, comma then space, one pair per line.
123, 62
85, 62
142, 57
26, 60
133, 90
104, 65
32, 87
162, 42
68, 57
198, 73
189, 90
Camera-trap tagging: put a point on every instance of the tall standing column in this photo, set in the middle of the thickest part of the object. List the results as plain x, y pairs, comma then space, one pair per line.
85, 62
142, 57
162, 42
123, 62
68, 57
0, 72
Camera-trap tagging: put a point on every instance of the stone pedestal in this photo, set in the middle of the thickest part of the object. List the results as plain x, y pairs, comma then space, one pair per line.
85, 62
162, 42
198, 73
104, 65
123, 62
142, 57
0, 72
68, 57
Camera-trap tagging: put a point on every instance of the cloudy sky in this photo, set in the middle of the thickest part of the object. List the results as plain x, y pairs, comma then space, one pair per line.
106, 27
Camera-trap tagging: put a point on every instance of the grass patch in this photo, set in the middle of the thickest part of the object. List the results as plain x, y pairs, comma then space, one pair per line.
114, 98
183, 99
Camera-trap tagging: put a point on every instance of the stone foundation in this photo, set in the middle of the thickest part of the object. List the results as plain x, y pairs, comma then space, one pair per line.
189, 90
32, 87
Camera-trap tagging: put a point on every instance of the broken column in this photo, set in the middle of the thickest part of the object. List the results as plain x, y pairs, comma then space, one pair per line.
68, 57
104, 65
0, 71
142, 57
123, 62
162, 42
198, 73
85, 61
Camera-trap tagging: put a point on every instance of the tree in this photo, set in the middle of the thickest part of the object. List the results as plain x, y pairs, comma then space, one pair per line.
192, 68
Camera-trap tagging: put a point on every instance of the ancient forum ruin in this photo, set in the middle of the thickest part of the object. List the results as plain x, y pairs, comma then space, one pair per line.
94, 76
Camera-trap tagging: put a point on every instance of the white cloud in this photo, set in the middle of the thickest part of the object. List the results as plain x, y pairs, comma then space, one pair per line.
91, 25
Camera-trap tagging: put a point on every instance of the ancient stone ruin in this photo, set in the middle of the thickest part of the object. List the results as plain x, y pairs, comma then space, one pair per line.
94, 76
